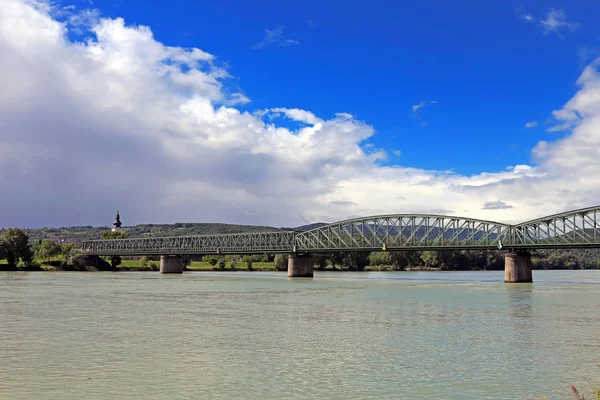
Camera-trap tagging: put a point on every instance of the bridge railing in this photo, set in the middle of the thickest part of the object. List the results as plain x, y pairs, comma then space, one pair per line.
238, 243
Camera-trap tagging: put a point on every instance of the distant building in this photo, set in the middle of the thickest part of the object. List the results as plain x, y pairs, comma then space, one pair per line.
117, 223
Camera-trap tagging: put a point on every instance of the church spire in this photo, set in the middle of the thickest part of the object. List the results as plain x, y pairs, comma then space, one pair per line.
117, 222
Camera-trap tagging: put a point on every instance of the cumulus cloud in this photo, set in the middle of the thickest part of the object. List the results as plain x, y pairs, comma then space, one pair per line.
121, 121
274, 37
531, 124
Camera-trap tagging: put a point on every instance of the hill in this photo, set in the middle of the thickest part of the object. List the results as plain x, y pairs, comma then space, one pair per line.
306, 227
77, 234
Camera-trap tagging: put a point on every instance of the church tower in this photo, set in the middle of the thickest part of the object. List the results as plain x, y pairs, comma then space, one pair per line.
117, 223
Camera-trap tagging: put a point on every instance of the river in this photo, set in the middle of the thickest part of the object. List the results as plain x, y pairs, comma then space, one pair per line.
379, 335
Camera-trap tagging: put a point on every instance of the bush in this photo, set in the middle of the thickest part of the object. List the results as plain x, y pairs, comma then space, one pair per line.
143, 261
233, 261
153, 266
281, 262
48, 249
74, 260
212, 260
221, 264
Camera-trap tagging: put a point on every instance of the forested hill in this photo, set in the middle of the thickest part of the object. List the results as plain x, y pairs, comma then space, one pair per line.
79, 233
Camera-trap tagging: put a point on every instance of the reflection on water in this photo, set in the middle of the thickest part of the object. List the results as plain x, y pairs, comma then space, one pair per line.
402, 335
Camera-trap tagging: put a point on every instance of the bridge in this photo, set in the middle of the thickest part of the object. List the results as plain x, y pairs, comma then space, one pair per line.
399, 232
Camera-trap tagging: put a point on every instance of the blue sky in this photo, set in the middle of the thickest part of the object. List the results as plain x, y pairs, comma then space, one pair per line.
286, 113
488, 69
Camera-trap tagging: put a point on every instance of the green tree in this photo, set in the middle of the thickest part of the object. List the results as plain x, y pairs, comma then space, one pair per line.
74, 260
355, 260
110, 235
281, 262
321, 261
221, 263
248, 261
115, 261
234, 260
153, 266
48, 249
212, 260
378, 258
143, 261
14, 246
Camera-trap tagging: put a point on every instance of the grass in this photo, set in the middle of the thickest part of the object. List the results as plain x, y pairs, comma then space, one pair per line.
134, 265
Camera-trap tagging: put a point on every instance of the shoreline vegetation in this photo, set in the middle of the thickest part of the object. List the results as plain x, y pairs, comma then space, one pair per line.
195, 266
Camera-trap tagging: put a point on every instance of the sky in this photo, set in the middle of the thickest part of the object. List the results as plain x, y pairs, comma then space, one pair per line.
287, 113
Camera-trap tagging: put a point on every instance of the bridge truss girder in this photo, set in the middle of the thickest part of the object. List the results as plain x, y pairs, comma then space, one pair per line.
574, 229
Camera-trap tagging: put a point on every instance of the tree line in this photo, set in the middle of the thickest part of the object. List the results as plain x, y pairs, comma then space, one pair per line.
16, 249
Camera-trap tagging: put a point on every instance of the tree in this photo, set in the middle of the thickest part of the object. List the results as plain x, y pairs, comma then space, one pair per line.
233, 261
74, 260
115, 261
212, 260
248, 261
143, 261
378, 258
281, 262
355, 260
221, 263
48, 249
320, 261
110, 235
14, 245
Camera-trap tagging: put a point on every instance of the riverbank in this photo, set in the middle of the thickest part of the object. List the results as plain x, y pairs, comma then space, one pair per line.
198, 266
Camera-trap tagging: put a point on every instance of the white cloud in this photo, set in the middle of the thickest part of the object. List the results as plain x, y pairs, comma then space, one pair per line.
527, 17
397, 152
417, 107
531, 124
496, 205
555, 21
274, 37
122, 121
422, 104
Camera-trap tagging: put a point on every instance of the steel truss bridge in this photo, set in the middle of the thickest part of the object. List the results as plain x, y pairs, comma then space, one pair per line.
573, 229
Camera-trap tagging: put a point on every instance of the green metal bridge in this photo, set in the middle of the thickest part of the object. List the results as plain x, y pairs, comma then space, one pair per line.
572, 229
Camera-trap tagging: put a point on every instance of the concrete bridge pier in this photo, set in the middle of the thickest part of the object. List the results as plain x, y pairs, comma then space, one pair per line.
517, 267
300, 266
171, 264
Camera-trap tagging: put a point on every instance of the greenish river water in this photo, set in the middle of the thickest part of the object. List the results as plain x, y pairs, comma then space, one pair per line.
404, 335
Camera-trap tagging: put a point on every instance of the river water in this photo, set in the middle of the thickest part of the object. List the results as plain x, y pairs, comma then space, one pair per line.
380, 335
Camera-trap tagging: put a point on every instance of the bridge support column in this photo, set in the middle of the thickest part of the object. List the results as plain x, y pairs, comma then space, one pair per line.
517, 267
171, 264
300, 266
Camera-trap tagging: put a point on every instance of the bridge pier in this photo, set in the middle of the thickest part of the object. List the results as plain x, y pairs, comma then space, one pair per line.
171, 264
517, 267
300, 266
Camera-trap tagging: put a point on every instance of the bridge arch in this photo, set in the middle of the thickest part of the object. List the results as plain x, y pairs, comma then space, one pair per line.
575, 228
404, 232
